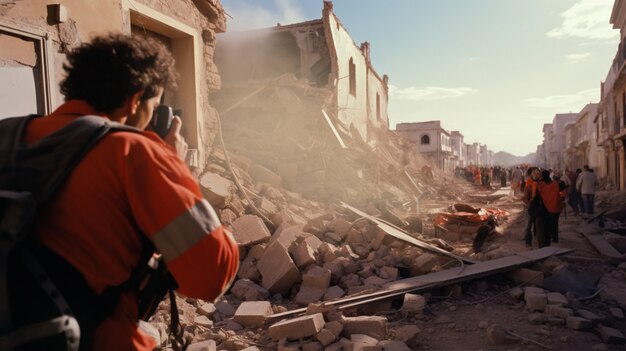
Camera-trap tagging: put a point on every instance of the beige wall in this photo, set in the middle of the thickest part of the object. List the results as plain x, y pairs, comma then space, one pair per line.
190, 24
351, 110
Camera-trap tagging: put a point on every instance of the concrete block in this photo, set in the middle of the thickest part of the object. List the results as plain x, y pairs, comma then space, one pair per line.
374, 281
314, 242
261, 174
326, 337
247, 290
526, 276
578, 323
256, 252
393, 345
206, 309
327, 252
203, 321
335, 327
287, 235
253, 313
423, 264
279, 272
216, 189
610, 335
317, 277
555, 298
307, 295
296, 328
362, 342
496, 334
589, 315
225, 308
533, 290
207, 345
413, 303
406, 333
339, 226
303, 254
558, 311
265, 206
248, 270
374, 326
249, 230
389, 273
333, 292
536, 302
516, 293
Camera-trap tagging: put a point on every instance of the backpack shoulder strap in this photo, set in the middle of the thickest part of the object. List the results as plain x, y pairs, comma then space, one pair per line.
41, 168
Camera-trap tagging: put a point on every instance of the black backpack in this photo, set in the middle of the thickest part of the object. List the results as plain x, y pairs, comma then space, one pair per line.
45, 303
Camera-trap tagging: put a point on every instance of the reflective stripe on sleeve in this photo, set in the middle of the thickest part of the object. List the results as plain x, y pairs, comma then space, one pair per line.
186, 230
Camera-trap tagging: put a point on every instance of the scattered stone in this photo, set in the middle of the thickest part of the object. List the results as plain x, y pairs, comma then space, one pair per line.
333, 292
483, 324
393, 345
206, 309
610, 335
589, 315
555, 298
225, 308
543, 331
206, 345
413, 303
406, 333
279, 272
535, 302
558, 311
303, 254
249, 230
216, 189
253, 313
362, 342
325, 337
617, 313
374, 326
203, 321
537, 318
296, 328
496, 334
423, 263
578, 323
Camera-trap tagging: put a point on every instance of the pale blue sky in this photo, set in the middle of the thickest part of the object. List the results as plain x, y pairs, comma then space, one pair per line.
496, 70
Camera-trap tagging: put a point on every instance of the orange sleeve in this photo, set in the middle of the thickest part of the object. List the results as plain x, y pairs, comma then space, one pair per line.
167, 204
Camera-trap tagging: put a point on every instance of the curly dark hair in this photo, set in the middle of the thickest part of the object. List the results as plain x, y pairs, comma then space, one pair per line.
110, 68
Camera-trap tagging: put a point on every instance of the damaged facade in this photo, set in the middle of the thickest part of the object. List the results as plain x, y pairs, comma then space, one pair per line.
431, 140
317, 54
35, 35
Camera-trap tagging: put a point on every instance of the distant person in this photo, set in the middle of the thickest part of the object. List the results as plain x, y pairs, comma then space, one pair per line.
532, 174
586, 186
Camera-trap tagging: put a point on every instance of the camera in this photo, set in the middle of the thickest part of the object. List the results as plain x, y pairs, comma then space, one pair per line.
162, 120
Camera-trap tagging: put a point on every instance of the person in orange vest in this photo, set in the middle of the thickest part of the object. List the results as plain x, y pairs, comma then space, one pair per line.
547, 219
129, 187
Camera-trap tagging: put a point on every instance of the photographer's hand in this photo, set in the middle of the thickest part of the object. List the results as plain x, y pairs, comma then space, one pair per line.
174, 139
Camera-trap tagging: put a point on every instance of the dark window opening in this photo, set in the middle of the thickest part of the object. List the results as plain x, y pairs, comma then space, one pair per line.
352, 74
377, 106
425, 140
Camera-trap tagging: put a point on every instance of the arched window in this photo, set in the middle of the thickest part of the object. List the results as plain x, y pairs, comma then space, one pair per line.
425, 140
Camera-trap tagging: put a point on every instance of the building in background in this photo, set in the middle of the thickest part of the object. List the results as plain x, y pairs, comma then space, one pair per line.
430, 140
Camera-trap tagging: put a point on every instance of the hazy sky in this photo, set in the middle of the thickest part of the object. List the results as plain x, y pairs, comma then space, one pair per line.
496, 70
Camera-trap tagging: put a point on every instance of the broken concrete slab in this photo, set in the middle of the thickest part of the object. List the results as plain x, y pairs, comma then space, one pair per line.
216, 189
555, 298
362, 342
279, 272
249, 230
333, 292
413, 303
253, 313
393, 345
263, 175
374, 326
296, 328
207, 345
604, 248
536, 302
287, 235
578, 323
303, 254
610, 335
